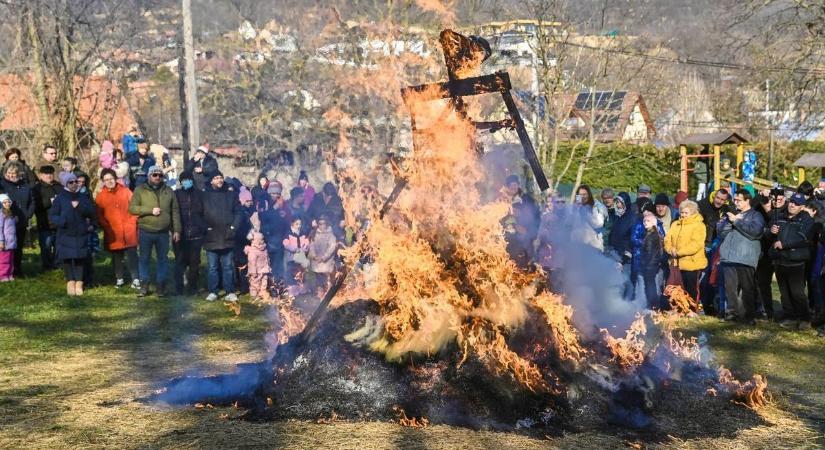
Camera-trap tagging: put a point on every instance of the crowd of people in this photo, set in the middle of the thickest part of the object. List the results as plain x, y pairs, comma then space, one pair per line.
256, 239
726, 249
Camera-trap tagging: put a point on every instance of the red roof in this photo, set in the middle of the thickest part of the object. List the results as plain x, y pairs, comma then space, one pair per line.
100, 106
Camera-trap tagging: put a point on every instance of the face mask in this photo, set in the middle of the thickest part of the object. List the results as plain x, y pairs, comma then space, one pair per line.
187, 184
83, 190
620, 210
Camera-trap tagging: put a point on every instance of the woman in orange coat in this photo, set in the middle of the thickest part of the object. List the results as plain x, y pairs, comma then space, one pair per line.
119, 227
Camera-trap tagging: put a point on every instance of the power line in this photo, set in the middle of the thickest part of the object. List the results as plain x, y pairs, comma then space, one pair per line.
703, 63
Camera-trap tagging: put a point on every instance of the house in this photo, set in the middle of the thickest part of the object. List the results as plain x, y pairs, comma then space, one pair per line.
619, 116
101, 107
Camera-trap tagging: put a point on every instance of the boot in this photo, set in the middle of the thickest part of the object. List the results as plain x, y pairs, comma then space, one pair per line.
78, 288
70, 288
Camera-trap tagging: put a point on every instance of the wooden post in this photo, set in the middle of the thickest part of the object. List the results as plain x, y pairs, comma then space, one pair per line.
740, 157
683, 168
717, 178
191, 87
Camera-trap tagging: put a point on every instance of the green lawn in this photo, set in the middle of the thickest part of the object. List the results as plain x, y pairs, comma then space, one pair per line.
71, 369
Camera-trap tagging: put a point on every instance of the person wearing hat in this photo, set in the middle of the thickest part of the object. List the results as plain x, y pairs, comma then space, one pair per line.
193, 230
791, 250
139, 163
8, 238
200, 165
130, 141
642, 194
71, 213
663, 211
222, 216
22, 199
738, 257
243, 238
158, 212
44, 193
308, 190
328, 203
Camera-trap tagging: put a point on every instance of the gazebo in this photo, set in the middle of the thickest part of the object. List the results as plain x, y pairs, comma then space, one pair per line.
810, 160
713, 142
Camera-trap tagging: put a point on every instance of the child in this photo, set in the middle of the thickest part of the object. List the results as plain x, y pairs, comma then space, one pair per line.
257, 267
323, 248
651, 261
8, 239
296, 245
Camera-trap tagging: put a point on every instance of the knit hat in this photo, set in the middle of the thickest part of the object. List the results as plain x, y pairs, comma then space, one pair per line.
511, 179
213, 174
798, 199
275, 188
245, 195
185, 175
203, 148
47, 169
661, 199
680, 197
4, 197
66, 177
644, 189
303, 176
155, 169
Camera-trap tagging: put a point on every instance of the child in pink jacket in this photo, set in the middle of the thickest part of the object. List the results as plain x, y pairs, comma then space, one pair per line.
258, 267
8, 238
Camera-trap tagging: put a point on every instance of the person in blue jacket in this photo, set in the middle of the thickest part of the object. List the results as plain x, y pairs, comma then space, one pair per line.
71, 213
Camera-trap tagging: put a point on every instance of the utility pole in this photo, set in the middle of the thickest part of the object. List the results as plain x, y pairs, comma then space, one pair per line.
184, 111
191, 88
770, 128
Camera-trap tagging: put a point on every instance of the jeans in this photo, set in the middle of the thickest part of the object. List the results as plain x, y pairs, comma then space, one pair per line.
276, 263
188, 262
219, 264
791, 280
739, 277
148, 240
46, 239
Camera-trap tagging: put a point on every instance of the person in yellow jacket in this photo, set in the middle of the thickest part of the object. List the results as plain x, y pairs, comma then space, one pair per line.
685, 243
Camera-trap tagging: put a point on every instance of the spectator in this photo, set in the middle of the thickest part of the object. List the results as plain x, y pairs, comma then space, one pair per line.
193, 230
131, 140
739, 255
242, 239
44, 193
663, 211
619, 241
259, 192
8, 239
323, 247
70, 213
525, 213
107, 155
296, 246
93, 237
13, 155
158, 214
712, 208
222, 215
637, 237
258, 267
308, 190
679, 198
642, 194
120, 235
790, 251
49, 157
201, 164
22, 206
608, 200
140, 162
122, 168
329, 204
591, 217
685, 243
69, 164
771, 204
275, 220
651, 257
296, 207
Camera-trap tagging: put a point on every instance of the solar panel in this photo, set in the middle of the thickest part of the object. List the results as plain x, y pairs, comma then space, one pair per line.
603, 99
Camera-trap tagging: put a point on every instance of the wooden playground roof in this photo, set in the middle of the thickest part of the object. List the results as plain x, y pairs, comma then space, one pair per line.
811, 160
722, 138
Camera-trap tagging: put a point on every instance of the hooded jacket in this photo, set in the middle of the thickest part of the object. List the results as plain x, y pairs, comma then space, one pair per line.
8, 231
72, 224
687, 237
257, 258
190, 202
620, 234
119, 227
322, 250
208, 164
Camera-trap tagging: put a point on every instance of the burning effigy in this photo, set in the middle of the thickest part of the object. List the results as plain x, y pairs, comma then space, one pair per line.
448, 328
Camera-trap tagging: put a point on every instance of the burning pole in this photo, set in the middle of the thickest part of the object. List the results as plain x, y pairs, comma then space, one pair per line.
463, 57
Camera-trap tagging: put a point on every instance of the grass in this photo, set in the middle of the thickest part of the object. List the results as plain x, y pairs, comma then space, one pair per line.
71, 369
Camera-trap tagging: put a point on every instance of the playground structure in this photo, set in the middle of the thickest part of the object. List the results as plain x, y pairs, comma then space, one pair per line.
713, 143
810, 160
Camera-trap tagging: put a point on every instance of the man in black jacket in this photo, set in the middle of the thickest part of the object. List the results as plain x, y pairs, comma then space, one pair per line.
771, 204
188, 249
44, 193
222, 215
201, 166
790, 251
22, 206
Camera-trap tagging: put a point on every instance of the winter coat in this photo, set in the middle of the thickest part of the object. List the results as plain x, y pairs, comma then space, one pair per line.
72, 224
334, 210
637, 237
687, 237
139, 171
222, 215
244, 227
797, 236
130, 144
257, 259
620, 234
275, 223
309, 195
25, 173
741, 239
322, 249
711, 216
293, 244
119, 227
528, 218
651, 255
145, 198
190, 202
209, 164
43, 195
8, 230
22, 200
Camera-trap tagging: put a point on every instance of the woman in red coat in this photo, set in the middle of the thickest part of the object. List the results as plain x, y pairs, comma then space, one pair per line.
119, 227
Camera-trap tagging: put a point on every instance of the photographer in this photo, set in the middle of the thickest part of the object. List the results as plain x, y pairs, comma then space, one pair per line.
790, 252
771, 204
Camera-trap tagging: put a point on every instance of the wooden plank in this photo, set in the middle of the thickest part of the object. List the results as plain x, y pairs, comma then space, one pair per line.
486, 84
529, 151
